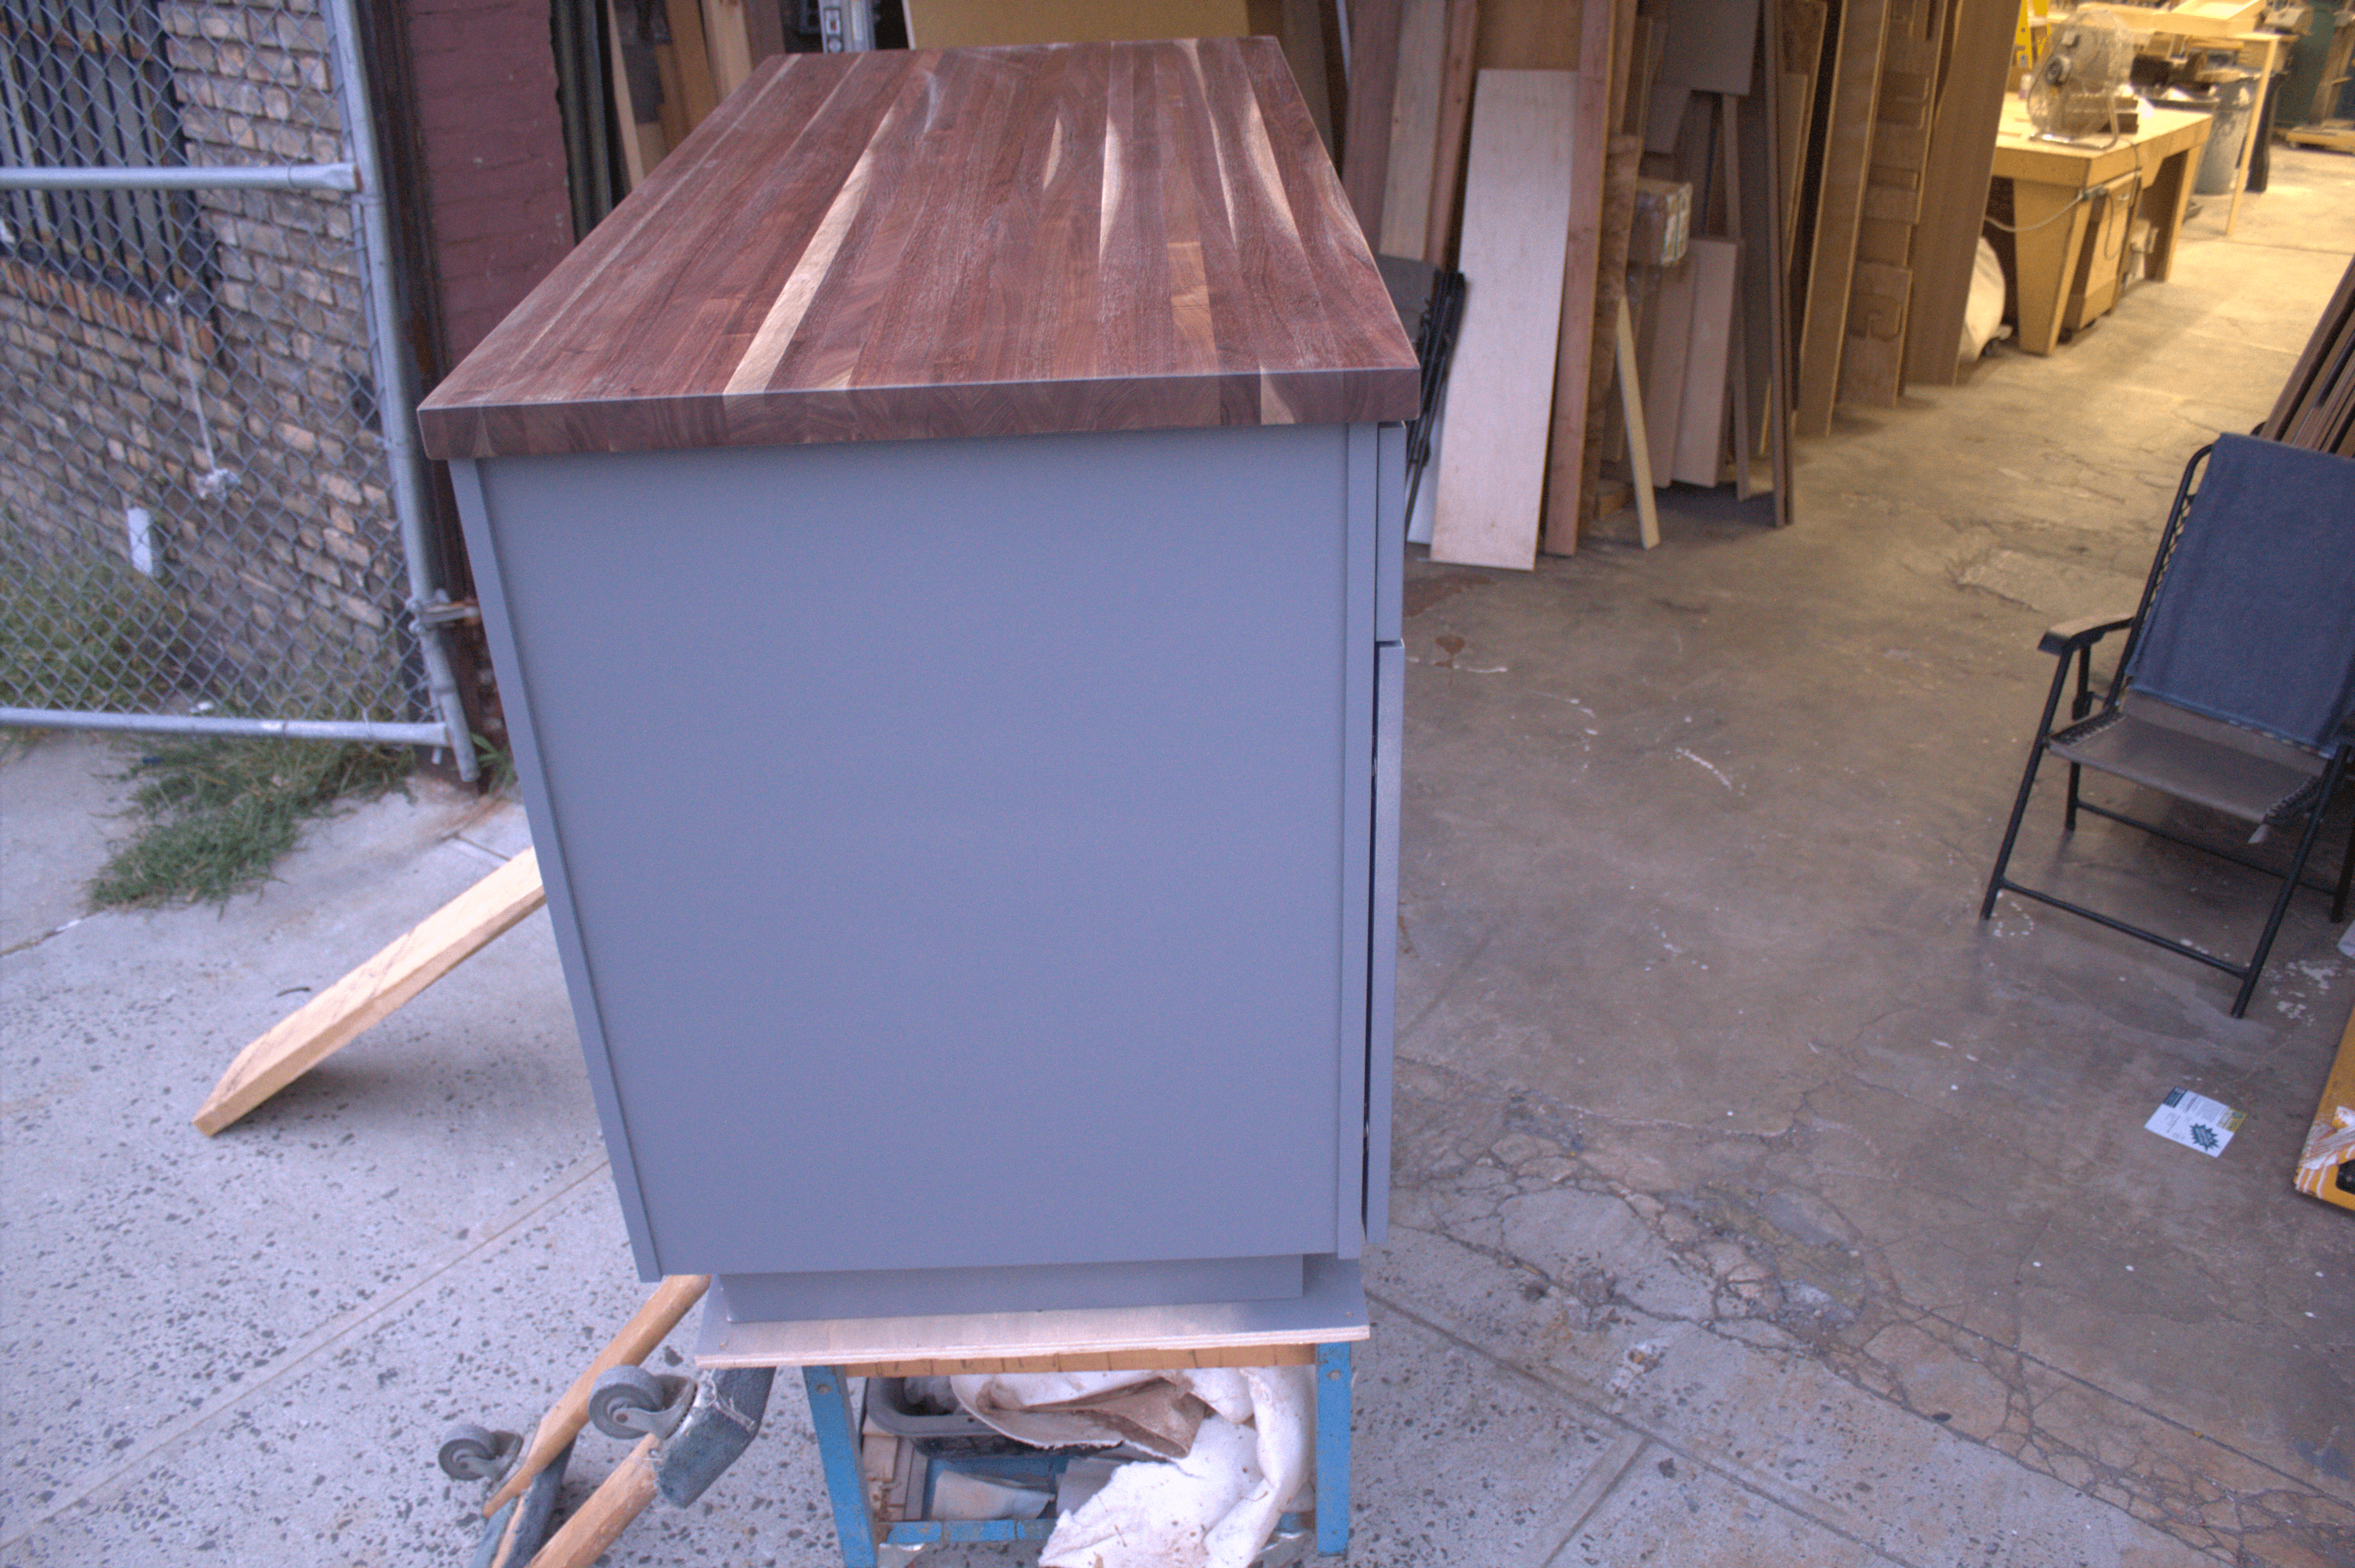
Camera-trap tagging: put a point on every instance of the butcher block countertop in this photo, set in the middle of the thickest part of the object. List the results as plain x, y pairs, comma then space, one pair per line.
930, 243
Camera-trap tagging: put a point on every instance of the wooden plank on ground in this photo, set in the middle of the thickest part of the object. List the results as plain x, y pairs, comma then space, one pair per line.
1415, 127
1374, 84
1455, 123
341, 1013
1581, 260
1955, 175
1848, 154
1517, 205
1700, 423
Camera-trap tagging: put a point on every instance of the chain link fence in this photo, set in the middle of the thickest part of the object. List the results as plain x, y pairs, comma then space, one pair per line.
210, 514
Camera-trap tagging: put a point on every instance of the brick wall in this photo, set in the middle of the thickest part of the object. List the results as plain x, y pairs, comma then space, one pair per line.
484, 76
240, 421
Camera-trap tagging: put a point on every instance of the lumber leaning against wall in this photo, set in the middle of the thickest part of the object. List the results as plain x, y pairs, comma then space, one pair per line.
1500, 399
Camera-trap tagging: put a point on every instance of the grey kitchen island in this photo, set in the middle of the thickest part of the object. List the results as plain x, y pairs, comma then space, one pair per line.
939, 544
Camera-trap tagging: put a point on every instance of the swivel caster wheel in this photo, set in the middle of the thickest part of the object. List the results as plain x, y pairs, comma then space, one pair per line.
631, 1402
472, 1453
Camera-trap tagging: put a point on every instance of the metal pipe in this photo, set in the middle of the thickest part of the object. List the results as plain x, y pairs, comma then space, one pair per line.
198, 724
396, 399
268, 177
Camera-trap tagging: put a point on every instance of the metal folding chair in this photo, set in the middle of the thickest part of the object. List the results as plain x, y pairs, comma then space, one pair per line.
2235, 689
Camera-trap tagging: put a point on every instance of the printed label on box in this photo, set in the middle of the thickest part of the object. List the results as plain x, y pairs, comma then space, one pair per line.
2195, 1120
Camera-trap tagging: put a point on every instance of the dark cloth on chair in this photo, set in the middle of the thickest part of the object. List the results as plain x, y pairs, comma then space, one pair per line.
2254, 619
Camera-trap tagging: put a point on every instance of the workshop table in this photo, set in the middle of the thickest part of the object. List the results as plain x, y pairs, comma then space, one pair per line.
2054, 187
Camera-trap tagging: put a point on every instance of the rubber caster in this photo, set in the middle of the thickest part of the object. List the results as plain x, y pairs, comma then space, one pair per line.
632, 1403
472, 1453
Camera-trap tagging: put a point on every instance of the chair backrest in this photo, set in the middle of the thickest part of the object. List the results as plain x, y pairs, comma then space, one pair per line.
2252, 620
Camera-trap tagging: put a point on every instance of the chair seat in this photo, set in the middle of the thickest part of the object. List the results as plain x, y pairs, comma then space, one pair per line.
2237, 772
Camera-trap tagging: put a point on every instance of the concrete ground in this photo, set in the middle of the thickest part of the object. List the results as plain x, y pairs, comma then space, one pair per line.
1756, 1203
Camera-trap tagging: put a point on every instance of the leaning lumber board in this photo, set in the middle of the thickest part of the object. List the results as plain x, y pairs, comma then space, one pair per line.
1871, 361
1955, 176
1711, 44
1664, 372
2335, 316
1848, 154
1373, 82
1415, 127
1455, 119
1581, 260
341, 1013
1620, 171
1516, 201
1700, 423
725, 26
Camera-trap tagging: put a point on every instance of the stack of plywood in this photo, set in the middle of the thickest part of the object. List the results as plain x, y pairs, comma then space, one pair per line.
2317, 406
1541, 405
1896, 144
673, 62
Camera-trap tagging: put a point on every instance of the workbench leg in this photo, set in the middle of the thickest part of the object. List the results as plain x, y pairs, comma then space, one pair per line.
2052, 224
2164, 202
1333, 1449
837, 1450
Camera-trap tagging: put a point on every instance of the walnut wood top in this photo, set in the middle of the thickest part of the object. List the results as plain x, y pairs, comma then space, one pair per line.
956, 242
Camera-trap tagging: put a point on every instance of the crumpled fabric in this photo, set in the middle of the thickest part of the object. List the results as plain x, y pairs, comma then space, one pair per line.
1214, 1507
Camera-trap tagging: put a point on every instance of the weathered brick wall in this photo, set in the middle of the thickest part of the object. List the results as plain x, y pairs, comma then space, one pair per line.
484, 79
242, 424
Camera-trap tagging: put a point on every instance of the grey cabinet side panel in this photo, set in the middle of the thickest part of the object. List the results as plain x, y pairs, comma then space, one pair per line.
1381, 1007
515, 694
963, 836
1389, 561
1356, 817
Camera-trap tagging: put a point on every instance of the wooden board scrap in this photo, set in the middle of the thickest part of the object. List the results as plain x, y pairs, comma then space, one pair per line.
1517, 206
345, 1010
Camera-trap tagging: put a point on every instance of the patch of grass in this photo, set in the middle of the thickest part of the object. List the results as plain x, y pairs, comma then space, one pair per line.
88, 633
220, 811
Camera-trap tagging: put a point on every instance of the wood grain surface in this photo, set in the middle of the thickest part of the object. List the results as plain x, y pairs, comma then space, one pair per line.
929, 243
1516, 203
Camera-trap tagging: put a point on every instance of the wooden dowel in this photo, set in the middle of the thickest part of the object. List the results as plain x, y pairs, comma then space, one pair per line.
599, 1522
637, 1340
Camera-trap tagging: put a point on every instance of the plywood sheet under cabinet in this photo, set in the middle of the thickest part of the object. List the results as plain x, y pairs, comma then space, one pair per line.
1500, 398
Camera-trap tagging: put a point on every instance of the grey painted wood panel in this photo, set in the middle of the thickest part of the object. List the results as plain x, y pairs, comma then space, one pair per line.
956, 838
